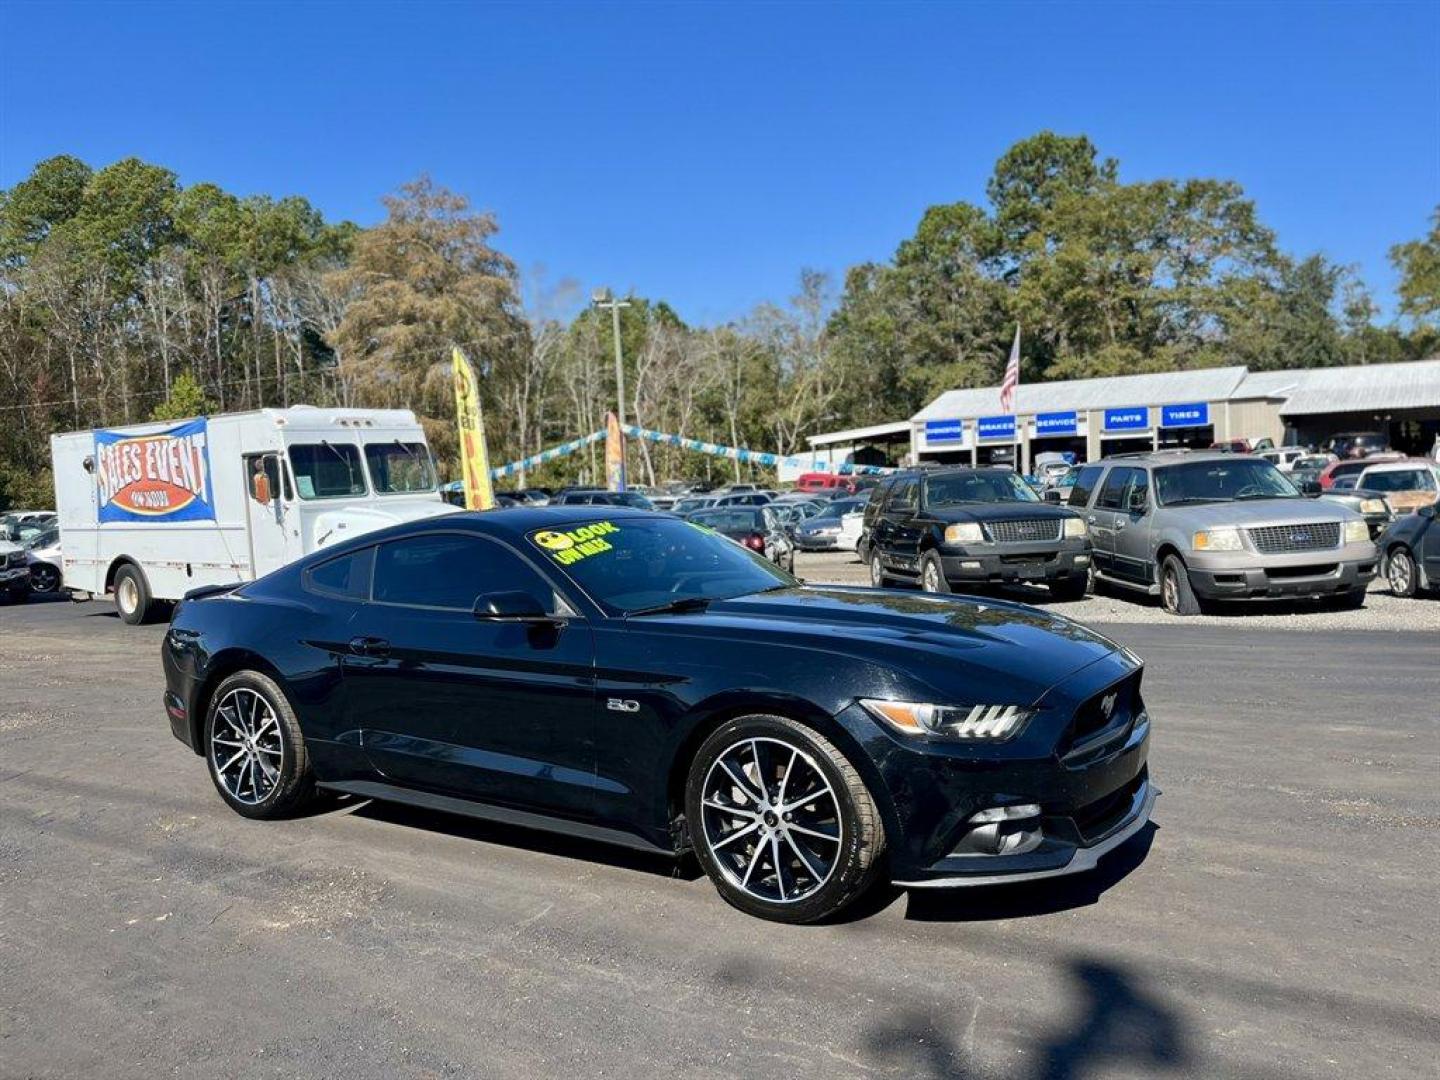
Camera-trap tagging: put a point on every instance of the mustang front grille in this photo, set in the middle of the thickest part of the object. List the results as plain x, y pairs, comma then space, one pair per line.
1284, 539
1022, 530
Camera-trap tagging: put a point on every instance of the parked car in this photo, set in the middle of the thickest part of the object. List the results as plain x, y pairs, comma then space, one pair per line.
598, 497
1406, 485
1284, 457
42, 555
1194, 527
822, 532
957, 527
14, 573
1357, 444
1059, 491
742, 498
679, 694
1342, 467
22, 526
1305, 471
756, 527
1370, 505
1410, 552
1051, 473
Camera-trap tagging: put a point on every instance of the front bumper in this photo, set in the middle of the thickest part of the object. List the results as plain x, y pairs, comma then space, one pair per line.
1054, 561
15, 579
1247, 576
817, 541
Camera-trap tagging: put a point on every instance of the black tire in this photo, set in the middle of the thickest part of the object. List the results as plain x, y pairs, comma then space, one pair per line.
44, 578
1072, 588
1351, 600
878, 577
932, 574
1401, 572
859, 849
135, 606
1176, 595
294, 786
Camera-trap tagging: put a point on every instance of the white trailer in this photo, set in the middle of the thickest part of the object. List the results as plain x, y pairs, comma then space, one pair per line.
150, 511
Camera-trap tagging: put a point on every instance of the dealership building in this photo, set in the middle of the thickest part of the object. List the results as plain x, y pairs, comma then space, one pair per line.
1092, 418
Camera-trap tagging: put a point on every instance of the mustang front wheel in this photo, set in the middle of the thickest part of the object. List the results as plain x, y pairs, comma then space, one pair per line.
780, 820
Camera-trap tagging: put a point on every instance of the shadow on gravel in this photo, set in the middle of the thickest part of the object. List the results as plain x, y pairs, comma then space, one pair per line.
1114, 1024
536, 840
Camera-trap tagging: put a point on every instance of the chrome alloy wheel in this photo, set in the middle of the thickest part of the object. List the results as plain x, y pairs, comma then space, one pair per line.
771, 820
1400, 573
931, 577
246, 748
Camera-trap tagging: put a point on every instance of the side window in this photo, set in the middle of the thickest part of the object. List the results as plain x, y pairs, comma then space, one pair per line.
346, 576
1085, 482
1112, 495
449, 570
902, 499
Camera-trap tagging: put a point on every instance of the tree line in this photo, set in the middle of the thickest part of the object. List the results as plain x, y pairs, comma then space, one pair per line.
125, 296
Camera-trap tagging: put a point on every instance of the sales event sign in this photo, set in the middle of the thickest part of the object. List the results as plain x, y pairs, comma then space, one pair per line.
944, 430
1056, 423
996, 427
1194, 415
165, 476
1135, 418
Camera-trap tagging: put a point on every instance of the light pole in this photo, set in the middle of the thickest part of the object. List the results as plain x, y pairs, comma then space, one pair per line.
603, 298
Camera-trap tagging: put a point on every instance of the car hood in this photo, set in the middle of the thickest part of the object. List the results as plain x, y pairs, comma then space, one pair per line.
1258, 512
1404, 500
948, 644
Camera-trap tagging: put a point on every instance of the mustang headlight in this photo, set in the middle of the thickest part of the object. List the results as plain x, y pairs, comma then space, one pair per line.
1374, 506
985, 723
1075, 528
1219, 540
967, 532
1356, 532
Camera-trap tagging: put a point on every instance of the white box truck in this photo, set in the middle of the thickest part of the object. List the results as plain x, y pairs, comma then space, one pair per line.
150, 511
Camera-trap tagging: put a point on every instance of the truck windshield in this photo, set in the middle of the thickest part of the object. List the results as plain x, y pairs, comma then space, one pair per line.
1240, 477
397, 467
996, 487
327, 470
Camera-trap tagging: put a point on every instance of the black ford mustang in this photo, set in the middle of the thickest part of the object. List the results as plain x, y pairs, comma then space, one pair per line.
638, 679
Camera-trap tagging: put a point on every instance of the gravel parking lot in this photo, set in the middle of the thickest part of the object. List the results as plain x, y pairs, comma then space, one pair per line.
1382, 611
1279, 921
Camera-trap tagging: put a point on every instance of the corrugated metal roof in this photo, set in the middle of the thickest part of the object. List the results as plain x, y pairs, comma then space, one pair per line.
1366, 388
874, 431
1160, 388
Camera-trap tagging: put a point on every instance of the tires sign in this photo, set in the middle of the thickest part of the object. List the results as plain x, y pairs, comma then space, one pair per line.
159, 477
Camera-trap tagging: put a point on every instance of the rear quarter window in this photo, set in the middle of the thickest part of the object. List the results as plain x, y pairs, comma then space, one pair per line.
346, 576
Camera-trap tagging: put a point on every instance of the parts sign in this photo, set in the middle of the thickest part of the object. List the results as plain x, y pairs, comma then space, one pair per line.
159, 477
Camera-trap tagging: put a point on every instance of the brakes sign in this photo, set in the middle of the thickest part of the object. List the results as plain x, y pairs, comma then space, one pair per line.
575, 544
165, 476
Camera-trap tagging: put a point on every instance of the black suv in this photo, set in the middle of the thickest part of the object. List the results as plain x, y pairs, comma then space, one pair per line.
948, 528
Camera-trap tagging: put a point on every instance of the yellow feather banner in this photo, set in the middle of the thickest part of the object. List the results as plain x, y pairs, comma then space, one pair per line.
471, 427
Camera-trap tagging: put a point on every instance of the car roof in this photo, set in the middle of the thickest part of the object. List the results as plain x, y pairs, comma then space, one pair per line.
1403, 465
1172, 457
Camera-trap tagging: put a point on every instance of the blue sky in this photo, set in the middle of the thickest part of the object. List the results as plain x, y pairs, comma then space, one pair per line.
705, 153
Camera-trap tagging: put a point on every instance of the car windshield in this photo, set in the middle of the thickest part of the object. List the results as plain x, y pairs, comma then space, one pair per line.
48, 538
1399, 480
1221, 481
839, 508
730, 520
980, 487
397, 467
1318, 462
633, 564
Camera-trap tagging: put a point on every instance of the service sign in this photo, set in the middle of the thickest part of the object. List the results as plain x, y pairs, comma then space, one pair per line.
1056, 423
160, 477
996, 427
1134, 418
944, 430
1194, 415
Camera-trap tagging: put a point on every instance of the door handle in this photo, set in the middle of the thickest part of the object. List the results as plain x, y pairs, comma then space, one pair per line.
370, 646
1091, 519
1119, 524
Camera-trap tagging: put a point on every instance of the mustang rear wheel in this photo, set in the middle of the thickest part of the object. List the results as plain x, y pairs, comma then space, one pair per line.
780, 820
256, 753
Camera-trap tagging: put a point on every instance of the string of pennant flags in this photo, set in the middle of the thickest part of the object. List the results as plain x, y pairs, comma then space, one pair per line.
699, 446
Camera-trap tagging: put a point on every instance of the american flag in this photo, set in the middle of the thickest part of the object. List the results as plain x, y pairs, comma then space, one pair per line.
1012, 376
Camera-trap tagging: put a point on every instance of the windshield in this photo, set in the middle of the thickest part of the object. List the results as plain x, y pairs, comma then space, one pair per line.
397, 467
631, 564
730, 520
839, 508
1221, 481
1399, 480
327, 470
982, 487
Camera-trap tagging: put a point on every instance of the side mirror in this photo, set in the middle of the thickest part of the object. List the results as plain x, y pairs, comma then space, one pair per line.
1139, 502
1427, 511
511, 606
1051, 496
1310, 487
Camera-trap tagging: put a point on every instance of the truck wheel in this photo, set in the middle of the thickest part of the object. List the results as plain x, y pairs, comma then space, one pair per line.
932, 574
1070, 588
132, 594
878, 577
1176, 596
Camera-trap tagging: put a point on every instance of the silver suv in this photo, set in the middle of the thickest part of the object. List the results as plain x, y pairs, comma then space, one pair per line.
1193, 527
